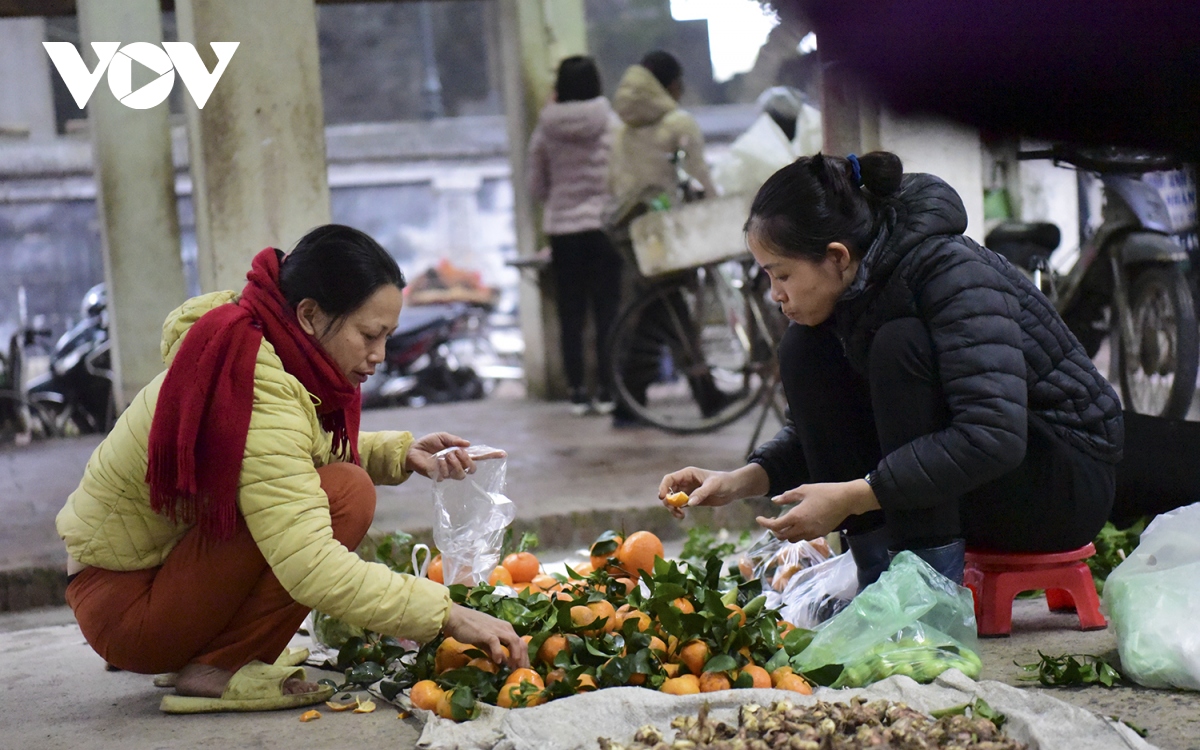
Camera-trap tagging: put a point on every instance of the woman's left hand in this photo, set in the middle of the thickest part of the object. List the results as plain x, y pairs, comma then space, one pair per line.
426, 457
820, 508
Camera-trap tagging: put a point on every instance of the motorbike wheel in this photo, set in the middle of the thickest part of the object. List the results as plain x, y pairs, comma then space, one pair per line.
1157, 370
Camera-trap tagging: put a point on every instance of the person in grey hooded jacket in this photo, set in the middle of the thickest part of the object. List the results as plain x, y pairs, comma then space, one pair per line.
568, 175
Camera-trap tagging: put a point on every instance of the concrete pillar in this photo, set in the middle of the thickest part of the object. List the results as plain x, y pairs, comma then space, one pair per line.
854, 122
535, 36
27, 99
135, 188
258, 146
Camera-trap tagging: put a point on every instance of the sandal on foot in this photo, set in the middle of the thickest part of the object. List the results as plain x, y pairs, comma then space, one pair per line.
291, 657
254, 687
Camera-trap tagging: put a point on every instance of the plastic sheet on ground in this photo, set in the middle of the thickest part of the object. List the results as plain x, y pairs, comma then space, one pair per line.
1042, 721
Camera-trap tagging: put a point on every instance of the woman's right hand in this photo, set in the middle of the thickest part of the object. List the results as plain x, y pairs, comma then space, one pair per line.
713, 488
488, 633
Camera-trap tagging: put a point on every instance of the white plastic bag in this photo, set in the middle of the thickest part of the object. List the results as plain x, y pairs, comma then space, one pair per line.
470, 516
819, 592
1154, 603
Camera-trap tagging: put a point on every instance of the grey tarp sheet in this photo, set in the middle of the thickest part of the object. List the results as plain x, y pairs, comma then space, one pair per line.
1034, 717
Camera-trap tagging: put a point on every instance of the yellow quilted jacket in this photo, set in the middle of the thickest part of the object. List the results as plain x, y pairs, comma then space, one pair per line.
108, 522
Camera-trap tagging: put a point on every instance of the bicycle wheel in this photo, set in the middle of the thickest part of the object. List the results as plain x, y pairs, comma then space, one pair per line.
692, 355
1157, 370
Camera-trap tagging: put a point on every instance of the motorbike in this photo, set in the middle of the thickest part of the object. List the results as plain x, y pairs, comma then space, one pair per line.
1130, 282
76, 395
421, 365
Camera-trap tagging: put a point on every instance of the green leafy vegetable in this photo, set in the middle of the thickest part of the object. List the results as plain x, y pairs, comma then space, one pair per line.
1071, 670
1113, 545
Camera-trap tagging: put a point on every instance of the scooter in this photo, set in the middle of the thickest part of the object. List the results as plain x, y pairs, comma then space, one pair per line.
420, 365
1129, 282
77, 394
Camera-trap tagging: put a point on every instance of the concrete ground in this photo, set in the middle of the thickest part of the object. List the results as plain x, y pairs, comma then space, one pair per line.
569, 477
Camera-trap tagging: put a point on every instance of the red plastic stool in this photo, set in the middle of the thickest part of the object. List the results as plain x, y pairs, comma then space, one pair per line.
996, 577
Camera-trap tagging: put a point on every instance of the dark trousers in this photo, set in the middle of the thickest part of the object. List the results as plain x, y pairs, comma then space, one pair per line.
1056, 499
587, 271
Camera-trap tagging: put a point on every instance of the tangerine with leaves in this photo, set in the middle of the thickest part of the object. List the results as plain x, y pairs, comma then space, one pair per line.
525, 674
759, 675
552, 647
451, 654
688, 684
518, 695
425, 695
605, 546
603, 609
500, 577
638, 551
711, 682
694, 655
795, 683
522, 566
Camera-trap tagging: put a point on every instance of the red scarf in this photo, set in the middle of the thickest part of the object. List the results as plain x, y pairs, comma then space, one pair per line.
198, 435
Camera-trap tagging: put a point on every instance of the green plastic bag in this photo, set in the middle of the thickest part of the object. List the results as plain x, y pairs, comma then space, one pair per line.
913, 621
1154, 603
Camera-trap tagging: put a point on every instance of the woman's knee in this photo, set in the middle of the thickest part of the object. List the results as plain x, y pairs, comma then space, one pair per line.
351, 501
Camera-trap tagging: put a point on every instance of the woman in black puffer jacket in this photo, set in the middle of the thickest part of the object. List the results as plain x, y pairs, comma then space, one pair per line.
936, 397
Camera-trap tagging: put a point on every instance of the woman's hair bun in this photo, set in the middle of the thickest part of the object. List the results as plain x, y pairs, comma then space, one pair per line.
881, 172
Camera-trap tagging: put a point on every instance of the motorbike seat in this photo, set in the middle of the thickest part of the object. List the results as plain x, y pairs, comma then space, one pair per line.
1042, 234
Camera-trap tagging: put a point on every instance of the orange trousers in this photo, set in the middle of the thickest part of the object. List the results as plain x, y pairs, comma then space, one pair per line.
214, 603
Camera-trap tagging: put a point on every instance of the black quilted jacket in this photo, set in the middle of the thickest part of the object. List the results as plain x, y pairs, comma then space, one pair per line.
1003, 353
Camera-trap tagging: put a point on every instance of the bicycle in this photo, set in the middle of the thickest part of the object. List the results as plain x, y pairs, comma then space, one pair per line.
697, 351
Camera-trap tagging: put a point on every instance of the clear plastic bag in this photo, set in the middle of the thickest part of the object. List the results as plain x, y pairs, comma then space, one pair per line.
1154, 603
470, 516
774, 561
817, 593
913, 621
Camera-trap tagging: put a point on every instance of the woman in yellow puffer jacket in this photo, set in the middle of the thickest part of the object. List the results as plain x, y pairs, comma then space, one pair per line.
229, 497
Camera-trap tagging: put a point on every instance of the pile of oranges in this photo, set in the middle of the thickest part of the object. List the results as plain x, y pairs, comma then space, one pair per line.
694, 632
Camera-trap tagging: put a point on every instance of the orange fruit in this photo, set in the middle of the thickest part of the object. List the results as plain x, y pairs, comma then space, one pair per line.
525, 674
586, 683
643, 619
711, 682
603, 609
445, 708
760, 676
485, 664
554, 675
546, 582
500, 577
600, 559
450, 655
582, 616
795, 683
637, 553
425, 695
737, 612
684, 606
582, 569
688, 684
657, 645
779, 674
528, 587
626, 583
435, 570
636, 679
672, 670
694, 655
677, 499
551, 647
508, 697
563, 596
522, 566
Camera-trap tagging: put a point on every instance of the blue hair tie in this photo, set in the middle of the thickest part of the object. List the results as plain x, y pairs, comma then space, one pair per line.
855, 169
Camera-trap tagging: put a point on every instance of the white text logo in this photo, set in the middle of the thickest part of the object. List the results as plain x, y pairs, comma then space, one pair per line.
118, 61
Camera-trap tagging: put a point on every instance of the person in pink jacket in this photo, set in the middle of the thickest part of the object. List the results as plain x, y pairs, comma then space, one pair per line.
568, 175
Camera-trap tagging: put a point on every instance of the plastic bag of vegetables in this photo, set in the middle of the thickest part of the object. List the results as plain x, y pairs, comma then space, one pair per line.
1154, 603
913, 621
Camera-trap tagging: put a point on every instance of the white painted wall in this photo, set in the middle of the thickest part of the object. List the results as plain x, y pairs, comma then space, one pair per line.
939, 147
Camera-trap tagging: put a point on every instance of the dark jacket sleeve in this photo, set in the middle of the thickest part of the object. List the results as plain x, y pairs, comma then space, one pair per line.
972, 312
783, 459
